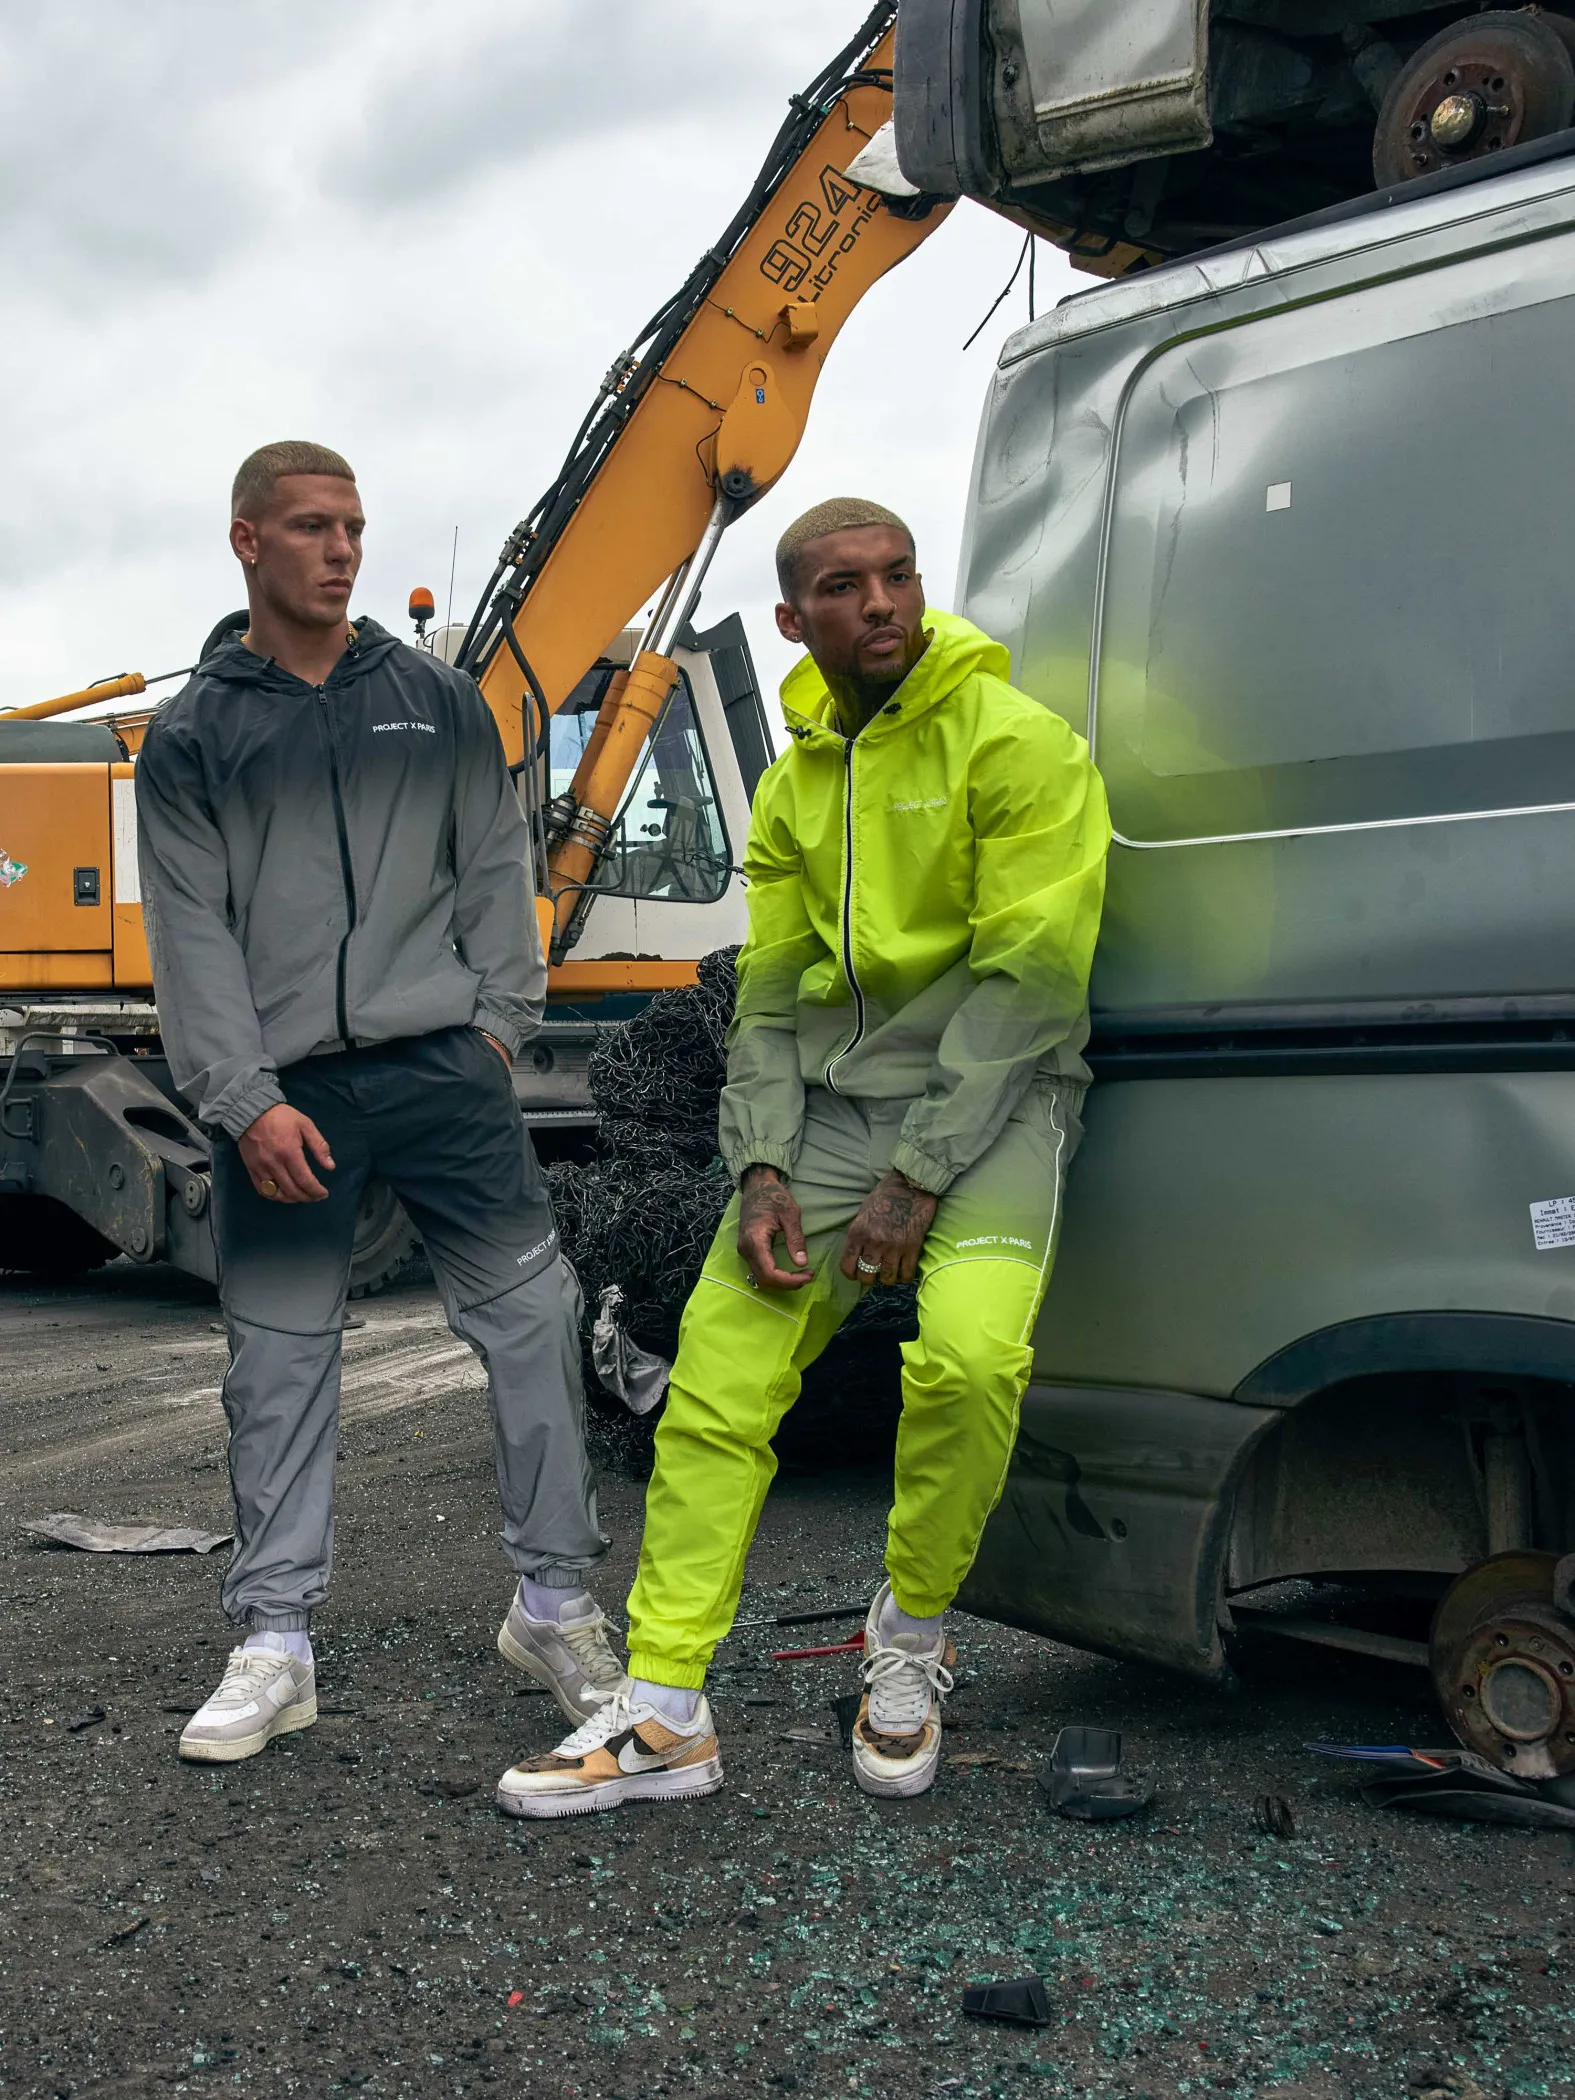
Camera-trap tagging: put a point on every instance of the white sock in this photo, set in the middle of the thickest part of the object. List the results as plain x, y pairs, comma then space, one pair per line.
674, 1702
546, 1605
295, 1641
893, 1621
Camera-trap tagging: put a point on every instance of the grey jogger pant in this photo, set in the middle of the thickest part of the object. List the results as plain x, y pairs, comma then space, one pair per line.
436, 1116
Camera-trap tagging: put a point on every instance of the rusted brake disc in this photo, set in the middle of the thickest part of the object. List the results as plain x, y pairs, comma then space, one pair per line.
1484, 83
1503, 1661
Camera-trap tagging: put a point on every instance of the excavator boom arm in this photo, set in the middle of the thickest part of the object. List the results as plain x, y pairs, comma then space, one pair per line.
687, 432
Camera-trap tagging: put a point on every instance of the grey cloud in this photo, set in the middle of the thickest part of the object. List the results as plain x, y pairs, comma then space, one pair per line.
553, 74
117, 162
182, 284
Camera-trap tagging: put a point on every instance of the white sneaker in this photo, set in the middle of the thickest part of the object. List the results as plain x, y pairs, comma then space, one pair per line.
572, 1656
897, 1736
263, 1693
627, 1751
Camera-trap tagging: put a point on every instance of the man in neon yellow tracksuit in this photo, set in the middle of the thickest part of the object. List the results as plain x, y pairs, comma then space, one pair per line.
926, 871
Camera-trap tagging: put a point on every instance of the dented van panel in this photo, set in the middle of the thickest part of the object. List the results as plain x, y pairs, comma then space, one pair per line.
1236, 522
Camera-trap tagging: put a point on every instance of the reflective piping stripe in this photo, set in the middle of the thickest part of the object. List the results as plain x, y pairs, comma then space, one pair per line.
1055, 1213
847, 921
754, 1297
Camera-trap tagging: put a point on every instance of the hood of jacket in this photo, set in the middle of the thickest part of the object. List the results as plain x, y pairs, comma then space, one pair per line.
230, 659
957, 651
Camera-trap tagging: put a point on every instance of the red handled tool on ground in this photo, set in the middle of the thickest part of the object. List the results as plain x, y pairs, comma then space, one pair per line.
793, 1655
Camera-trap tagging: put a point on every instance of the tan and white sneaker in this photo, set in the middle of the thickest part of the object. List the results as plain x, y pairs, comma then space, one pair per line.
264, 1692
627, 1751
570, 1657
897, 1736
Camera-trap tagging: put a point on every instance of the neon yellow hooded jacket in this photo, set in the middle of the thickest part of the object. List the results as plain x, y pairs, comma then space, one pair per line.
923, 904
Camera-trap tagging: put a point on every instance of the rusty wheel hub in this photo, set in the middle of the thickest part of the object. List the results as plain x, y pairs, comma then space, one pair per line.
1484, 83
1503, 1664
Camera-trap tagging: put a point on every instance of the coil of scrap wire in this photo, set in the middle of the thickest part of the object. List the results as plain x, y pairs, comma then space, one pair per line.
643, 1212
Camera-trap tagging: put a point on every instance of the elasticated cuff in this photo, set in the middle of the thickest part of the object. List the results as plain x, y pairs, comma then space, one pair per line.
238, 1116
742, 1158
662, 1669
557, 1578
277, 1622
922, 1169
489, 1022
917, 1607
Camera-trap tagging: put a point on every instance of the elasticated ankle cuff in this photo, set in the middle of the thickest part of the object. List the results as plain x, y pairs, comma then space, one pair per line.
662, 1669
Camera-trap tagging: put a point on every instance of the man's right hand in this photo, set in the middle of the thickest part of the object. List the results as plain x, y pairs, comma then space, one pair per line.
766, 1208
278, 1150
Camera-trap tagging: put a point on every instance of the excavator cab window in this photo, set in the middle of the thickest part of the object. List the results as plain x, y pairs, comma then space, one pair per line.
669, 842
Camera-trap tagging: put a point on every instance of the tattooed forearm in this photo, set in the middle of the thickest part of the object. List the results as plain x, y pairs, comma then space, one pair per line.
767, 1211
895, 1208
886, 1239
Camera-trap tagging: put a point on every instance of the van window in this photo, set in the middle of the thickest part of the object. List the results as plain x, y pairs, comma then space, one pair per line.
669, 842
1337, 583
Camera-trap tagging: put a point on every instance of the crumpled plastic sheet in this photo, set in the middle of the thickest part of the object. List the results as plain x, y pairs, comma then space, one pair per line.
632, 1374
88, 1535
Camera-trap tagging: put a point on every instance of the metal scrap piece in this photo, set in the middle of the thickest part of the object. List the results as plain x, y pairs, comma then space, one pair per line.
1084, 1779
89, 1535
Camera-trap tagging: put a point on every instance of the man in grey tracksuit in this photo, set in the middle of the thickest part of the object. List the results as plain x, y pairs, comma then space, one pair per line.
336, 883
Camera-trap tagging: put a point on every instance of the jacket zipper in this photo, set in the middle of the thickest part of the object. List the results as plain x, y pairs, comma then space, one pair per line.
847, 923
346, 871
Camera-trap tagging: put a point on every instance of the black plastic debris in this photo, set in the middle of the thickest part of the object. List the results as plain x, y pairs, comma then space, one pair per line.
1085, 1781
1455, 1783
846, 1710
1023, 2002
1272, 1814
90, 1717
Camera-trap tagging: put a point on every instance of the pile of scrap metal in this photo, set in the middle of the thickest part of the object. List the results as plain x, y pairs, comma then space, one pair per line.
639, 1216
641, 1213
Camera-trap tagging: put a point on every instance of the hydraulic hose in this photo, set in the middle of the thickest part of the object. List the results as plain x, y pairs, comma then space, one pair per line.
631, 375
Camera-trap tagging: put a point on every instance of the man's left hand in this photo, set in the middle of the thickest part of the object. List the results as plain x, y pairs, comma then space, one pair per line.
888, 1234
492, 1039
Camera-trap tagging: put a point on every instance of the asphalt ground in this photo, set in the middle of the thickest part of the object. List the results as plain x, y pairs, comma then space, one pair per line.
348, 1913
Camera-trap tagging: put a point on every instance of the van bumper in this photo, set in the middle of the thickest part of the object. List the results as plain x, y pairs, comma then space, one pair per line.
1112, 1529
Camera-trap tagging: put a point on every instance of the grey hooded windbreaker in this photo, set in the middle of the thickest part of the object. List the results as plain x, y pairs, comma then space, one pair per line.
327, 866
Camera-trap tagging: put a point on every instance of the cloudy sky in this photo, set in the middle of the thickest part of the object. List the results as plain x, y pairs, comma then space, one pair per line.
419, 234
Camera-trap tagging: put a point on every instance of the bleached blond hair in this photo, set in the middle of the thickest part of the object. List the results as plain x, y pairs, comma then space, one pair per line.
254, 482
836, 514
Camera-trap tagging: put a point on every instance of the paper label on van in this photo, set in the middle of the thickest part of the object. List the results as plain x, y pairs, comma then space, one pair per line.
1553, 1222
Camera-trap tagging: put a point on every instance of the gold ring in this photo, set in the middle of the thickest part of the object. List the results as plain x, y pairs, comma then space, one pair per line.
268, 1188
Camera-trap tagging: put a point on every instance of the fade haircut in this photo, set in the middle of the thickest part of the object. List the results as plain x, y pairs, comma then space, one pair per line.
254, 483
836, 514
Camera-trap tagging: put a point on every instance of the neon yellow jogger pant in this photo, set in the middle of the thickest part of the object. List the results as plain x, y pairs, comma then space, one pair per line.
742, 1353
